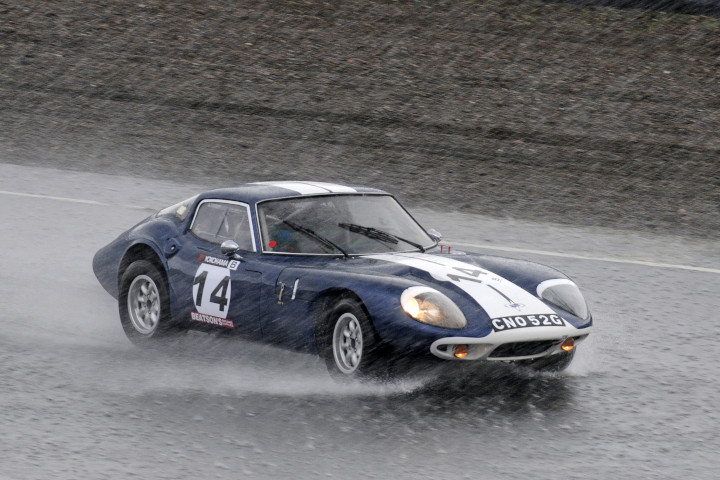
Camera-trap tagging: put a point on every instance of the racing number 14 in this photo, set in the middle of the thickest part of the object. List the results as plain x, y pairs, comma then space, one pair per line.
474, 274
218, 295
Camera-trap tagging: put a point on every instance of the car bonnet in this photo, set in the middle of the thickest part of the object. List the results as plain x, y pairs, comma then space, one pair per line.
496, 295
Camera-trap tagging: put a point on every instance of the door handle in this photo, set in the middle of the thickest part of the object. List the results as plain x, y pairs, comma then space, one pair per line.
280, 296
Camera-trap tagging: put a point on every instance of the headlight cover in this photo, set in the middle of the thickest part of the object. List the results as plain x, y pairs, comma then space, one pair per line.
564, 294
427, 305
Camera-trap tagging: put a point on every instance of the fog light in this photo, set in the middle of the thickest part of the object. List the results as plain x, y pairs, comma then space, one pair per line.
568, 344
461, 351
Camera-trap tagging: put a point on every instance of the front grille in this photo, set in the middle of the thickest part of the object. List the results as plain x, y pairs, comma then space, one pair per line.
521, 349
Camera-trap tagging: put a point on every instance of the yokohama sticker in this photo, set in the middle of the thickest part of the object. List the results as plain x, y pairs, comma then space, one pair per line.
219, 262
526, 321
211, 320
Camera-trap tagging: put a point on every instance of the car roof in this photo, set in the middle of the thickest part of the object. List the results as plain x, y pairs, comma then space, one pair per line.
259, 191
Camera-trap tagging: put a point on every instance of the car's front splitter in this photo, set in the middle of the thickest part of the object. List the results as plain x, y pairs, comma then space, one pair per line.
513, 345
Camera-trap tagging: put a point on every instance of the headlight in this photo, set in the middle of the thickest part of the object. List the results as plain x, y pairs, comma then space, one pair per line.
566, 295
427, 305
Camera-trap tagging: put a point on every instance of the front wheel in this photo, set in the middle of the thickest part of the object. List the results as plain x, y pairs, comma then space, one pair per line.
144, 303
347, 341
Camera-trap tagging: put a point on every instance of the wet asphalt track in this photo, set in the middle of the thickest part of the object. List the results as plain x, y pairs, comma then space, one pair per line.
77, 400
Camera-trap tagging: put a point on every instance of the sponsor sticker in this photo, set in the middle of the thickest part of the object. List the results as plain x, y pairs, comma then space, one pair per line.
211, 320
218, 262
526, 321
212, 290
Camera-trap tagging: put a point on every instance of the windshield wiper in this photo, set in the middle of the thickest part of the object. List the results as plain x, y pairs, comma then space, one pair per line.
311, 233
374, 233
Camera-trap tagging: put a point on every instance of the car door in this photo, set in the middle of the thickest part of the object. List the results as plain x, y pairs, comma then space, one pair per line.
213, 290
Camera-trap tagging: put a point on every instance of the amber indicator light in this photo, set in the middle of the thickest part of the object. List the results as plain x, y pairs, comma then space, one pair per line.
461, 351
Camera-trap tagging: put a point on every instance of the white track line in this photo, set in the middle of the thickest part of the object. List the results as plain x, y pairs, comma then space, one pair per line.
461, 244
585, 257
70, 200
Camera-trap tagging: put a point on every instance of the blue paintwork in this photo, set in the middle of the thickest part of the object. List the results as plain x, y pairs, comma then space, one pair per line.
258, 312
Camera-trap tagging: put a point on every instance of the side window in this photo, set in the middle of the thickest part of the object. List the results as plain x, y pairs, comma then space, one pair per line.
217, 222
237, 227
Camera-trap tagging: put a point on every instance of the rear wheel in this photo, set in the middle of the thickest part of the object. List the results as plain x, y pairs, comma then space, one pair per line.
348, 342
144, 303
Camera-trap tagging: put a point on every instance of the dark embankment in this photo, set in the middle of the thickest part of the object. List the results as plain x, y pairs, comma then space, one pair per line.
525, 109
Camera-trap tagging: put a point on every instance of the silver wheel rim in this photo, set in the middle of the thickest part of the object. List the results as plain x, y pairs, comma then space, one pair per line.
144, 304
347, 343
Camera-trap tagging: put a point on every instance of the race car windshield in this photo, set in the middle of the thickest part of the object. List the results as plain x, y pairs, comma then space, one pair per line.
339, 225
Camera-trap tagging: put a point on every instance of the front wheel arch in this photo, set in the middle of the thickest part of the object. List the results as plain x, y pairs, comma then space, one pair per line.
346, 307
325, 301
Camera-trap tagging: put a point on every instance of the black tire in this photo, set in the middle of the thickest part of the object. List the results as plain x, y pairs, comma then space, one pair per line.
144, 303
347, 341
552, 364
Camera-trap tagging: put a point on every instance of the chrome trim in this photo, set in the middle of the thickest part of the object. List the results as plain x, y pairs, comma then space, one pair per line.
229, 247
295, 287
435, 235
282, 290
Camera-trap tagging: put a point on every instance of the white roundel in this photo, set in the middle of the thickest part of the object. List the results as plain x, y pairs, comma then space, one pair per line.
211, 290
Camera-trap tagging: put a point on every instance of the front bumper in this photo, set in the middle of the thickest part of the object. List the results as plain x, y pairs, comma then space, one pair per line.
504, 346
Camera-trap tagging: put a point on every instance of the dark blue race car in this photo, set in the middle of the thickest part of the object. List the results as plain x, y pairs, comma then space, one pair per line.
344, 272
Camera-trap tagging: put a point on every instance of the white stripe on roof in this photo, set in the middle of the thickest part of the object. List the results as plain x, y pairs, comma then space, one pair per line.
334, 188
311, 188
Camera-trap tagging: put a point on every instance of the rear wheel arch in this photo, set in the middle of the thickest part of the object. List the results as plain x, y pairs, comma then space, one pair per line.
144, 304
141, 251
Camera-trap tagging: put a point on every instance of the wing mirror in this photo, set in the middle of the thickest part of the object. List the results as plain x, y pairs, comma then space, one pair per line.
229, 248
435, 235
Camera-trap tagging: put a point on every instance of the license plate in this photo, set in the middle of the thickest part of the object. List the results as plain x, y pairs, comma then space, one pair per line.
501, 324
